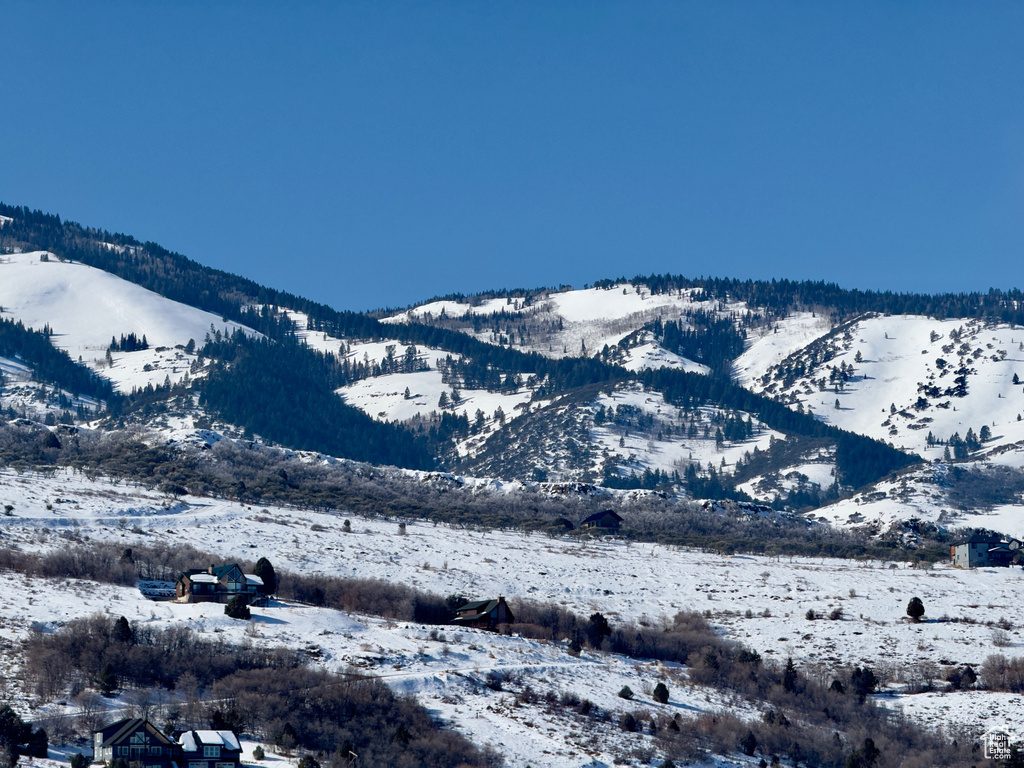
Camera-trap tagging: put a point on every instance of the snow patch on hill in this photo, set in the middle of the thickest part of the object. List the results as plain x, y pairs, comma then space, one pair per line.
775, 342
384, 398
650, 355
573, 323
86, 307
643, 432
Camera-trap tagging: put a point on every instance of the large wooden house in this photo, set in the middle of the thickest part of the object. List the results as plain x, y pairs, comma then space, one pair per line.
484, 614
217, 585
138, 742
134, 740
210, 749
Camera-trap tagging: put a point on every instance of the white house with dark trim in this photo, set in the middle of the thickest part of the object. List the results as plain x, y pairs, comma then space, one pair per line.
210, 749
983, 550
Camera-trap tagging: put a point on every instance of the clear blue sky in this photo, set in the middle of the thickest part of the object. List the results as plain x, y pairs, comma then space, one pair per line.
375, 154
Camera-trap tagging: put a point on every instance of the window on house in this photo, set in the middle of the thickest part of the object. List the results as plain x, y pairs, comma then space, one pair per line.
211, 751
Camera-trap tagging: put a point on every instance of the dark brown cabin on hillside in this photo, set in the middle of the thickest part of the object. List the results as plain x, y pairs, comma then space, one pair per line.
484, 614
605, 521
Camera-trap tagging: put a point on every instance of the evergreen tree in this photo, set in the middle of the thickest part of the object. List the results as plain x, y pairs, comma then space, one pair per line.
863, 682
107, 681
789, 676
237, 608
265, 570
123, 631
597, 629
915, 608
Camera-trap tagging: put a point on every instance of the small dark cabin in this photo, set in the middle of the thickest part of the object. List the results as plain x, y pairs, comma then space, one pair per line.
605, 521
484, 614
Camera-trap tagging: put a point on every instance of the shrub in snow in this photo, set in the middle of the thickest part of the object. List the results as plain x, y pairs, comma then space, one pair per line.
626, 692
237, 608
660, 694
1001, 638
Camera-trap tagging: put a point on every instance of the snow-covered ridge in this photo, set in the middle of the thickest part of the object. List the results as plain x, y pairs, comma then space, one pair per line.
572, 323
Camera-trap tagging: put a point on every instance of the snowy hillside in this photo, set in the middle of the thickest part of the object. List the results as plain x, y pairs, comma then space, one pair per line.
85, 308
903, 378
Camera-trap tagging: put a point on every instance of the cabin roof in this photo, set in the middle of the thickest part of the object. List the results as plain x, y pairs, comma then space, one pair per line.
114, 732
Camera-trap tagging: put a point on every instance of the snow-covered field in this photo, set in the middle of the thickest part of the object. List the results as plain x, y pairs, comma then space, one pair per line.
777, 342
762, 602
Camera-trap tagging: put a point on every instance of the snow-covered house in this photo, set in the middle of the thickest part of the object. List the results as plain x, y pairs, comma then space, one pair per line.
484, 614
134, 740
210, 749
982, 550
217, 585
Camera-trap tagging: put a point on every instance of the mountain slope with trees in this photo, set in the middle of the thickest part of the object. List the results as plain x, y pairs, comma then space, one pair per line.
281, 390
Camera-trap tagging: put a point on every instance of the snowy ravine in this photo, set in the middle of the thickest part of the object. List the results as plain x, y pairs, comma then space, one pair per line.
761, 602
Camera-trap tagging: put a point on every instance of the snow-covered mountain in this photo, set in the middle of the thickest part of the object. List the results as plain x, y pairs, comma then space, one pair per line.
926, 386
661, 389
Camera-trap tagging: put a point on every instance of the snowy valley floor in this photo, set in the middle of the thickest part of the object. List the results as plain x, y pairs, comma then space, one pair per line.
758, 601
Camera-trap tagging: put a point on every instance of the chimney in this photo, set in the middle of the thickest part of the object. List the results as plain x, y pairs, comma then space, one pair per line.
211, 569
